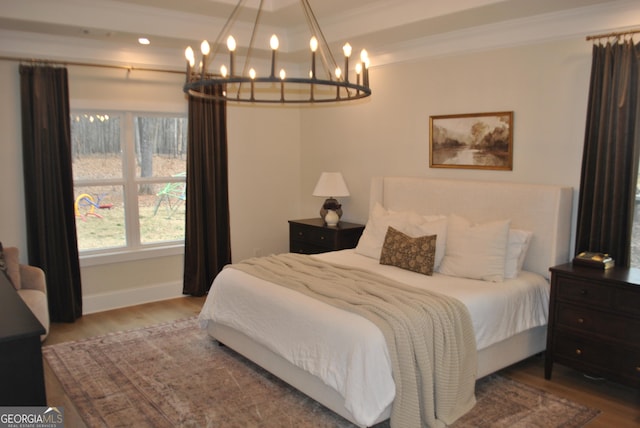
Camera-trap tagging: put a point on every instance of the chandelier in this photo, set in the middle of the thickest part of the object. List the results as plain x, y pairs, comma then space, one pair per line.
321, 79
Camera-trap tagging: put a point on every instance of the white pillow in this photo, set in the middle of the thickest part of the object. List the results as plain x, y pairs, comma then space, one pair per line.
436, 227
407, 222
475, 251
517, 246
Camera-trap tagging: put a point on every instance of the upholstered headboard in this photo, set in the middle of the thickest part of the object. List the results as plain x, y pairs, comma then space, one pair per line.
544, 210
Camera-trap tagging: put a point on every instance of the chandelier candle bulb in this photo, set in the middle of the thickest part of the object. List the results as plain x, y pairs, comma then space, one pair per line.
313, 44
364, 57
191, 61
231, 45
205, 49
282, 76
347, 53
274, 43
252, 74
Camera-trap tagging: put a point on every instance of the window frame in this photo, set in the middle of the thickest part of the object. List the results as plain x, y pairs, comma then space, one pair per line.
134, 249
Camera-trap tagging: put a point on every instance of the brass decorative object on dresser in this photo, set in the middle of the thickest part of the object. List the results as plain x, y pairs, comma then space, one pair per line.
594, 322
312, 236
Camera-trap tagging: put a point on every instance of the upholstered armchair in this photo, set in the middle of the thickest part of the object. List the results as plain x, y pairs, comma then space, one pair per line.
31, 285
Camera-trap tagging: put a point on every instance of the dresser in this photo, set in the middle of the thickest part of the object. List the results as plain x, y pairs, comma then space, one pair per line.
312, 236
594, 322
21, 370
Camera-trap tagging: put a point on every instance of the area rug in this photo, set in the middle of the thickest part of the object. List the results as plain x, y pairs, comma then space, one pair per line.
174, 375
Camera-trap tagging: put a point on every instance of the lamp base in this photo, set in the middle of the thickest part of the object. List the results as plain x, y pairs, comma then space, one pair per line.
331, 204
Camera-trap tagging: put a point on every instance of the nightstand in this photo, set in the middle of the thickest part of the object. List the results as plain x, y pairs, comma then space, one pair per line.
594, 322
312, 236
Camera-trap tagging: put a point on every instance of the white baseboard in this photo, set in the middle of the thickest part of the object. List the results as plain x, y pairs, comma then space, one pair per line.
130, 297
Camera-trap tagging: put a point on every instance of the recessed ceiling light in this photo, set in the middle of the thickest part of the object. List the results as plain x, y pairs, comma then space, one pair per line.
144, 41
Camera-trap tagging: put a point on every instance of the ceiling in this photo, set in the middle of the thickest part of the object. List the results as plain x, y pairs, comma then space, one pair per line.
171, 25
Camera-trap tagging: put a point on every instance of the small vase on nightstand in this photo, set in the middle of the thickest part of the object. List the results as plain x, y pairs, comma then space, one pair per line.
331, 218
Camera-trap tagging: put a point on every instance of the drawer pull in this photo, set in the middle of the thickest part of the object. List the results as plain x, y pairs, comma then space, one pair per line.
300, 233
580, 320
578, 351
638, 369
322, 238
583, 292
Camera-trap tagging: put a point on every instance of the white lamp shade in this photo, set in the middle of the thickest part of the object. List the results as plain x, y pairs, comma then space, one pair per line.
331, 184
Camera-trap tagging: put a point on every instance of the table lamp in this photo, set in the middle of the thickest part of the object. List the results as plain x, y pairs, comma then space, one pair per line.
331, 185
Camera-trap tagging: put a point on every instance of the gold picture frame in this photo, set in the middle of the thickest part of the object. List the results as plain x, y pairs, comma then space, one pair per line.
472, 141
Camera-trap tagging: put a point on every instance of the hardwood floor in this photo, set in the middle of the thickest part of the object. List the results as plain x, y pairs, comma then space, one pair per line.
619, 405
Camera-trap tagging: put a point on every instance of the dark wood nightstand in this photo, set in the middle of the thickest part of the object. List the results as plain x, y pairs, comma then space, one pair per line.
594, 322
312, 236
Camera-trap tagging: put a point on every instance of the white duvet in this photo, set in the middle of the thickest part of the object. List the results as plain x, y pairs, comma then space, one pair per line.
345, 350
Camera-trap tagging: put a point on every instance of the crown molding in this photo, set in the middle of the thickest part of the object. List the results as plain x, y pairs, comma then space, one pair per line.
607, 17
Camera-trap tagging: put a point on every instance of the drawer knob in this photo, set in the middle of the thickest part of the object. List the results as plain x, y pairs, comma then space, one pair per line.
583, 292
300, 233
322, 238
578, 351
580, 320
638, 369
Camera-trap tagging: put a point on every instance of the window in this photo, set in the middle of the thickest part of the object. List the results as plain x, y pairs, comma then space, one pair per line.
129, 174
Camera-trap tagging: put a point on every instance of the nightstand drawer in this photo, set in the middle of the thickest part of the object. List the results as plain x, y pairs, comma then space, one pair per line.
606, 325
312, 236
580, 291
305, 248
315, 236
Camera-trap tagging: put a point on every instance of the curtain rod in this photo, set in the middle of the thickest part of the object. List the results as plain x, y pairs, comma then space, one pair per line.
87, 64
617, 34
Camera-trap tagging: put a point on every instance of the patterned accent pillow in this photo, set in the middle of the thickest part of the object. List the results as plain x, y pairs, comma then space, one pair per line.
405, 252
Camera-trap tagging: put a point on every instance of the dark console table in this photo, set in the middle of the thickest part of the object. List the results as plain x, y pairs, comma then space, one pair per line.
21, 370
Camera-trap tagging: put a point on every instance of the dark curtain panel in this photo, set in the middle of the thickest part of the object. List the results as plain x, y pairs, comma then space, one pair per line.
610, 158
207, 235
48, 187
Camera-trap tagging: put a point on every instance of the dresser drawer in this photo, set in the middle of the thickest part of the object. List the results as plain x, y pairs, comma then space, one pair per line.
584, 292
628, 365
627, 301
582, 351
593, 322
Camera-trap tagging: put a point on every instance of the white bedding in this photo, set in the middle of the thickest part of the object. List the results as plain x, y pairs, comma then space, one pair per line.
343, 349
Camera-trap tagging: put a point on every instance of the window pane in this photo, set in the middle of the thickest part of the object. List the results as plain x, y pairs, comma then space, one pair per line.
160, 146
95, 142
99, 217
162, 212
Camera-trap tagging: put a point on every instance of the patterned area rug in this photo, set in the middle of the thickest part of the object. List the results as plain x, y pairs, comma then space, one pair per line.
174, 375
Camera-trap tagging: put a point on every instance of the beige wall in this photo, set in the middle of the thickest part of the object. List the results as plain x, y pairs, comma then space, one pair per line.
545, 85
276, 154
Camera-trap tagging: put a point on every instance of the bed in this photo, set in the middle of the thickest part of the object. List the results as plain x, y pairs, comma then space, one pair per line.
284, 331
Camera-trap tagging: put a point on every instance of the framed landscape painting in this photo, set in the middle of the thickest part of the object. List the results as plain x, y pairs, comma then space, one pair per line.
474, 140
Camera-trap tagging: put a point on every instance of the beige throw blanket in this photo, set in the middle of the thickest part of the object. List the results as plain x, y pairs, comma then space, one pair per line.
429, 336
